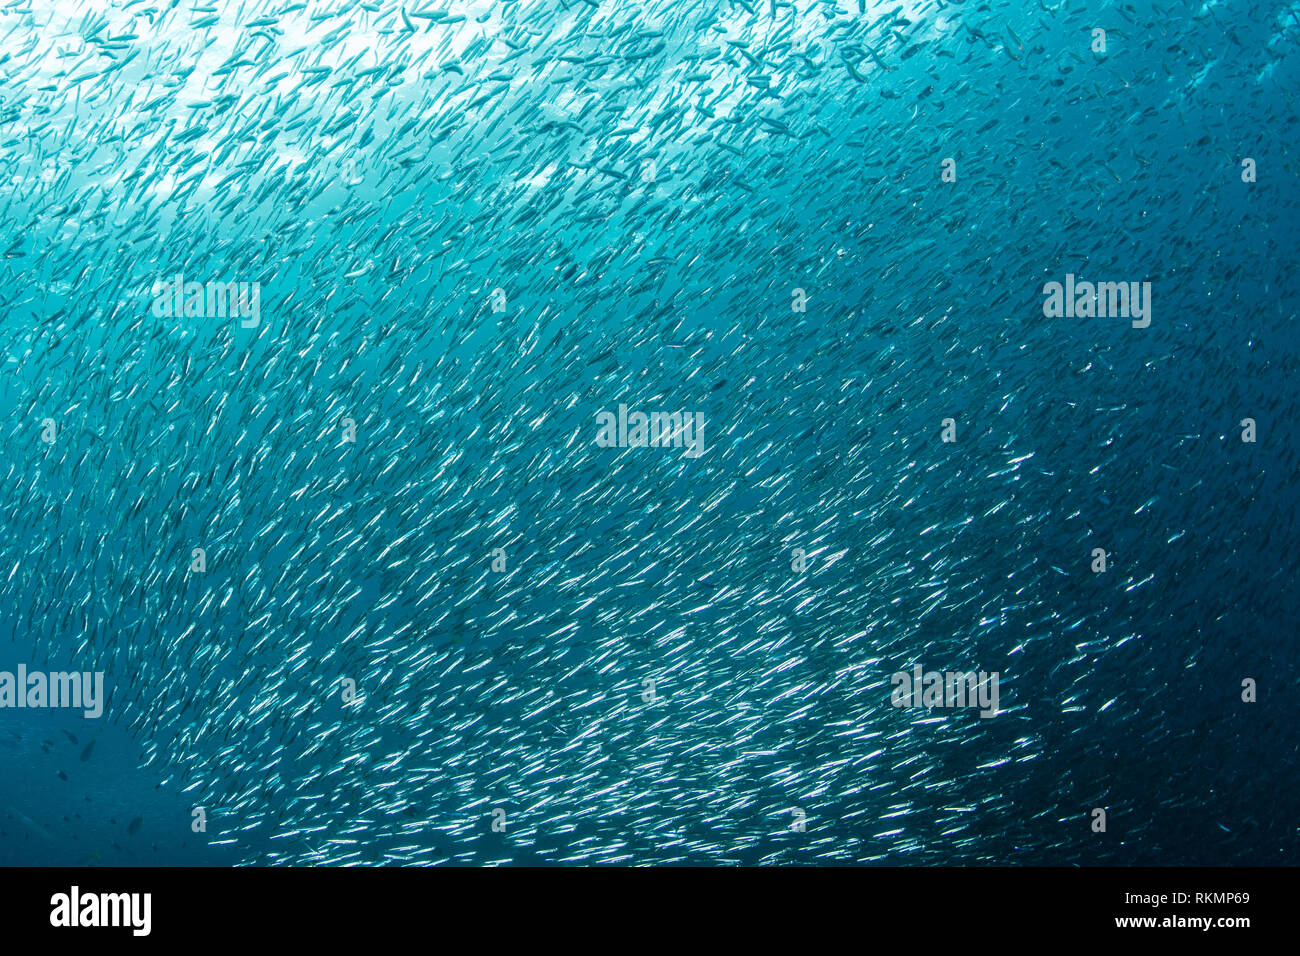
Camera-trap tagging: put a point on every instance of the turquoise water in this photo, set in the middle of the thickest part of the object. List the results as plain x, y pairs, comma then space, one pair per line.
365, 581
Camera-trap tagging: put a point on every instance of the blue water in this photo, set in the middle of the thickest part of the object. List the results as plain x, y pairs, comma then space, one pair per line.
474, 228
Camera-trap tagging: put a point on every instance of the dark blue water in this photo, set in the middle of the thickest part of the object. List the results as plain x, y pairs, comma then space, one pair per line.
475, 228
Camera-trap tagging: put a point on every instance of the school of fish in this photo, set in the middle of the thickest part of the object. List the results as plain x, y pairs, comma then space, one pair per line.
432, 620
